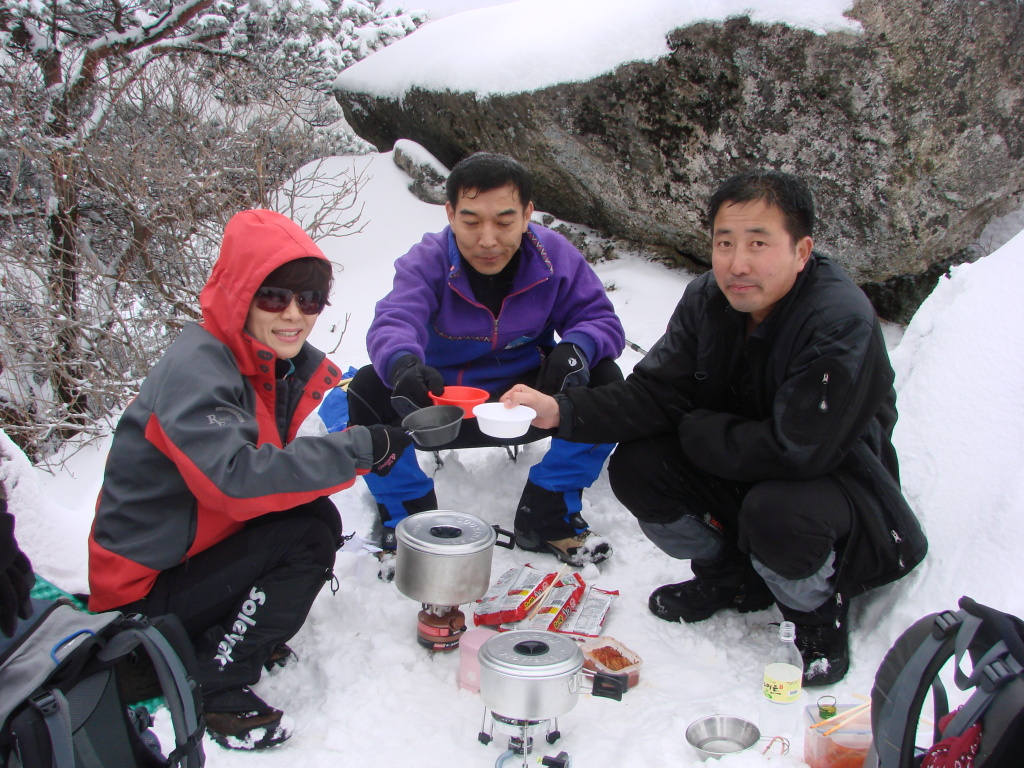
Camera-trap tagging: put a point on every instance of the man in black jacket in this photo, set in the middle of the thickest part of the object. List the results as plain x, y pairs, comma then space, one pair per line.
755, 437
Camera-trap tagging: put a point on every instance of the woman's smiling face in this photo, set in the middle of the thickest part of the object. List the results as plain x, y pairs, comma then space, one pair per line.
284, 331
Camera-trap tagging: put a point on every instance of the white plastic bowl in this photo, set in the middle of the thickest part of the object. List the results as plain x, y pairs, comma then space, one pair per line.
496, 420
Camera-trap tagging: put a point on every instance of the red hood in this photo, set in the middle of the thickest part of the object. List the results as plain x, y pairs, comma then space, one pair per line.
255, 244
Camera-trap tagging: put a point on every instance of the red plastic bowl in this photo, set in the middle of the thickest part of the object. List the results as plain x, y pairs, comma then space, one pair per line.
464, 397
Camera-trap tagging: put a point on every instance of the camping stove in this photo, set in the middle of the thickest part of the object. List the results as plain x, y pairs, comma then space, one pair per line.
521, 735
439, 627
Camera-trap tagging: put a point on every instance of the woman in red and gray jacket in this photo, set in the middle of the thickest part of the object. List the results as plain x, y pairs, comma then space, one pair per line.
211, 507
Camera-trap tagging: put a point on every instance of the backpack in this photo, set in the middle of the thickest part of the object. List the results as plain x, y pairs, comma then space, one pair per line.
61, 700
987, 731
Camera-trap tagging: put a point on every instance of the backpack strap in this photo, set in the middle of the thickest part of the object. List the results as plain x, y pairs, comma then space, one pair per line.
176, 684
52, 706
899, 704
997, 667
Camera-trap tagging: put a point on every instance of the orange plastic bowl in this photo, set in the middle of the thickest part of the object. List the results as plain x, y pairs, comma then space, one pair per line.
464, 397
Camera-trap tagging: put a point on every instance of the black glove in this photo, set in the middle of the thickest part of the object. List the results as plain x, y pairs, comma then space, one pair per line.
411, 380
565, 366
388, 444
16, 577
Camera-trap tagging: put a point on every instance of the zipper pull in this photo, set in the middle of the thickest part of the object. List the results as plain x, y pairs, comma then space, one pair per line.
896, 537
823, 405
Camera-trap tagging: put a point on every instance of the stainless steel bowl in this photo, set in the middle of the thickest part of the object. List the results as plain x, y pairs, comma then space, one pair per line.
434, 425
720, 735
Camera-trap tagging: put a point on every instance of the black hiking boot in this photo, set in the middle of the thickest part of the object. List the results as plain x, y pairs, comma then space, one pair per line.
246, 722
699, 599
822, 636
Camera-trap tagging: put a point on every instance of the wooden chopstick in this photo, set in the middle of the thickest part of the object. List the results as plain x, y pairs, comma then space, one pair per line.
543, 595
845, 717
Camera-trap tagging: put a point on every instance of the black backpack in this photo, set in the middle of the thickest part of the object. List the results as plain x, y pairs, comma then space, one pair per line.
62, 699
993, 644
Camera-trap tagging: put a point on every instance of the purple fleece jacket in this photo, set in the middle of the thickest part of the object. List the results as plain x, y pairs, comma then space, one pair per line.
431, 313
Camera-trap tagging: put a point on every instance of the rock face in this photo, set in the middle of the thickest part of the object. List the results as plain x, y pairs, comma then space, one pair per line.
910, 133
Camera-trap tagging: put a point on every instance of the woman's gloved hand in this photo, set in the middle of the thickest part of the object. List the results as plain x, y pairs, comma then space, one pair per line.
388, 445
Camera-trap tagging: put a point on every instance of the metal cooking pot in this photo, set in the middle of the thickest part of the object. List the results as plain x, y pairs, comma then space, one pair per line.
444, 557
536, 675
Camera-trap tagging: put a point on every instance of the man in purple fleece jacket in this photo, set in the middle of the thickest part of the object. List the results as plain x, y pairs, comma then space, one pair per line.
480, 304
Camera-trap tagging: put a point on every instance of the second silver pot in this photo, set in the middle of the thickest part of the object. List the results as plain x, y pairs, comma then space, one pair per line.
537, 675
444, 557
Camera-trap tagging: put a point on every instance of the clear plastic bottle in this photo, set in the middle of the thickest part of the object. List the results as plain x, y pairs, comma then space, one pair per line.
783, 680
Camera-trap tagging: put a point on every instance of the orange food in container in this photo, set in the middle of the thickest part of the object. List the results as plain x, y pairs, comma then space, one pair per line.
606, 654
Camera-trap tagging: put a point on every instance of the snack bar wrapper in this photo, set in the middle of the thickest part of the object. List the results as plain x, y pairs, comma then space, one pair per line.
587, 619
511, 596
557, 605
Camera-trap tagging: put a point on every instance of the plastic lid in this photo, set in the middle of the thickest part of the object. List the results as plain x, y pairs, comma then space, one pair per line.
531, 654
445, 532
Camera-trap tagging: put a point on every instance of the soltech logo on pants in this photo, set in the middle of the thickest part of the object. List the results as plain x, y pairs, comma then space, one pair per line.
246, 618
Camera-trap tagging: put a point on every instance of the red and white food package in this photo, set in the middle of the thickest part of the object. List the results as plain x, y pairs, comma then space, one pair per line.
511, 596
555, 606
587, 619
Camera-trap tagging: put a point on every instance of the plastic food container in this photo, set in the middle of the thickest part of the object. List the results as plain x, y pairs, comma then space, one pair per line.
592, 660
464, 397
846, 747
496, 420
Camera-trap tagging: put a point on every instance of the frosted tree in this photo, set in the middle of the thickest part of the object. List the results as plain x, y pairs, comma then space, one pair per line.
130, 132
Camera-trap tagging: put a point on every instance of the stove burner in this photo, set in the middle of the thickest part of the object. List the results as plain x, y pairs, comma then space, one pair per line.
520, 733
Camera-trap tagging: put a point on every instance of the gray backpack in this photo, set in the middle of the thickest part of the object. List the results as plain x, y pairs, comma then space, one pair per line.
61, 704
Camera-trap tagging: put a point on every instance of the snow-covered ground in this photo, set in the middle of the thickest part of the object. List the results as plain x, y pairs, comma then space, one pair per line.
365, 694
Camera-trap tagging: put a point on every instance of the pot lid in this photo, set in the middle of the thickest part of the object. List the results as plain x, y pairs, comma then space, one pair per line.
444, 532
531, 653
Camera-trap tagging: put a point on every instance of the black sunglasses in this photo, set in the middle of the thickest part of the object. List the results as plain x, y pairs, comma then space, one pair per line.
278, 299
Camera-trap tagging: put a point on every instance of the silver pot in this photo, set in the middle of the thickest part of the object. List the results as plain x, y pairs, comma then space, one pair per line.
444, 557
535, 675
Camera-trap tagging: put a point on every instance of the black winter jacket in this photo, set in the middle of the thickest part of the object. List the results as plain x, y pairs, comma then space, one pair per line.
808, 393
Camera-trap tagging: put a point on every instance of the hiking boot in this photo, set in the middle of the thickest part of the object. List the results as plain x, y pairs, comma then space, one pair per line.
822, 637
248, 724
388, 544
280, 657
579, 550
825, 650
699, 599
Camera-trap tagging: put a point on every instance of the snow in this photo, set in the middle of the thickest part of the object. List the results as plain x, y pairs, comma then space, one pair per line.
364, 693
527, 45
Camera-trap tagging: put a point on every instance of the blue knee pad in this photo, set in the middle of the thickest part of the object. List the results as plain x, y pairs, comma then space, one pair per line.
405, 482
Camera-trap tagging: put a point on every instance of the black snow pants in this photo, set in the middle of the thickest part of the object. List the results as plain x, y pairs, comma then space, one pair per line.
793, 528
243, 596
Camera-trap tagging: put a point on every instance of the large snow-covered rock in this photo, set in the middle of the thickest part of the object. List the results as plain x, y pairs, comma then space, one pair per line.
906, 120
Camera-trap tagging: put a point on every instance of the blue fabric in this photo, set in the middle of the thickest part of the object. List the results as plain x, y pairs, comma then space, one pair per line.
570, 466
405, 482
334, 408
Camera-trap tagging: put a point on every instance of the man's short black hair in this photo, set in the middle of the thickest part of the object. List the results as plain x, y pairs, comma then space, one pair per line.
785, 191
485, 171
